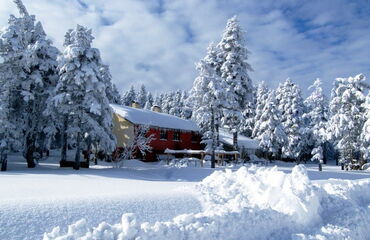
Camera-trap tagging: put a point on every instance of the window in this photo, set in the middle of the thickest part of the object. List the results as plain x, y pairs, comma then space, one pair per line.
176, 136
163, 135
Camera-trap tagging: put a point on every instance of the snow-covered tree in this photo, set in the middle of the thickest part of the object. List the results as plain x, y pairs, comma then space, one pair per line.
129, 97
291, 107
316, 119
268, 129
249, 116
142, 96
158, 100
167, 102
80, 95
149, 102
177, 104
234, 71
32, 60
186, 111
347, 115
111, 91
261, 98
365, 133
116, 96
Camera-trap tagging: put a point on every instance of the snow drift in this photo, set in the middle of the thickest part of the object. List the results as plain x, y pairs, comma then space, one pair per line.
252, 203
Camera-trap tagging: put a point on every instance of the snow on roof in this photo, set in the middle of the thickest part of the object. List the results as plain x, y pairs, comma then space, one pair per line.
243, 141
154, 119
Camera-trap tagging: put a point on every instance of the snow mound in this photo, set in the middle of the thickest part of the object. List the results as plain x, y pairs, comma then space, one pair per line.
252, 203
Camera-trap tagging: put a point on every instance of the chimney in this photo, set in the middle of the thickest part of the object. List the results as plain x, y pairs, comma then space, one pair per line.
135, 104
156, 108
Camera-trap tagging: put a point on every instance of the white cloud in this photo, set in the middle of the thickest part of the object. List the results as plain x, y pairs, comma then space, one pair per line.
157, 42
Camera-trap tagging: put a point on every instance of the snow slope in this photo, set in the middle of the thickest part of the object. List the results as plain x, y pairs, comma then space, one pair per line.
252, 203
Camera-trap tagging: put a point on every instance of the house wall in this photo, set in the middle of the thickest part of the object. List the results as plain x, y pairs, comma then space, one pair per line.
123, 130
159, 145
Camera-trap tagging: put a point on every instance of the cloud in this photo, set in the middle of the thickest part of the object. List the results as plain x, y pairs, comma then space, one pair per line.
157, 42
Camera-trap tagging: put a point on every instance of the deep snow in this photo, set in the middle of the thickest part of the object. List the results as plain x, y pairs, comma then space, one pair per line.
267, 200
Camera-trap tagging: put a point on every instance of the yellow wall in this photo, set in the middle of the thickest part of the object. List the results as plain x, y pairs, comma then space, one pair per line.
123, 130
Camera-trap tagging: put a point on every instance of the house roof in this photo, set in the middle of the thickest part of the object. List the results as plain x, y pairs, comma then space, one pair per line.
243, 141
154, 119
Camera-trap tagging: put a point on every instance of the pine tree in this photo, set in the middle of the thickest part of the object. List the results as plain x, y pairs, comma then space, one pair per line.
167, 102
249, 115
234, 71
149, 102
25, 47
268, 129
142, 96
290, 104
347, 115
111, 91
177, 106
129, 97
80, 95
186, 111
316, 119
365, 133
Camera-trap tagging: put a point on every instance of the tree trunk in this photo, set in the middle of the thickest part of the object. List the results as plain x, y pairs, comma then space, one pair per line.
30, 149
64, 140
4, 160
76, 165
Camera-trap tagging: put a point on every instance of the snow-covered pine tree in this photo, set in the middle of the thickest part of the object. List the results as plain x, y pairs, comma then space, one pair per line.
129, 97
158, 100
186, 111
177, 106
234, 71
268, 129
111, 91
116, 96
249, 115
168, 101
261, 98
316, 119
142, 96
208, 95
25, 47
149, 102
80, 95
291, 107
347, 115
365, 133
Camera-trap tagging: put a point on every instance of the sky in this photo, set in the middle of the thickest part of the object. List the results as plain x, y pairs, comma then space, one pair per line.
158, 42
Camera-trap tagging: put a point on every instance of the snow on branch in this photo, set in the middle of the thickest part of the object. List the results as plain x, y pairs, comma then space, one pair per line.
22, 9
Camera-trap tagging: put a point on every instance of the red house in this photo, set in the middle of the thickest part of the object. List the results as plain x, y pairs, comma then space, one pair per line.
169, 131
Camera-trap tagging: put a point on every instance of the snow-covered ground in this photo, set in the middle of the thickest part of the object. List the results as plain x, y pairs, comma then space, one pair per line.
249, 203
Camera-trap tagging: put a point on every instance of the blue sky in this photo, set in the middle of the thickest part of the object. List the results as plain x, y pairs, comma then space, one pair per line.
158, 42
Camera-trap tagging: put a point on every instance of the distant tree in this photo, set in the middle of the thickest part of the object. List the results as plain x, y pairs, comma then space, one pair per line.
111, 91
80, 95
261, 99
177, 104
365, 133
167, 101
249, 115
186, 111
129, 96
347, 115
142, 96
149, 102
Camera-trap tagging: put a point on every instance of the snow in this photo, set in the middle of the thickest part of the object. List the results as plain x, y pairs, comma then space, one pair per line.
154, 119
243, 141
252, 203
155, 201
